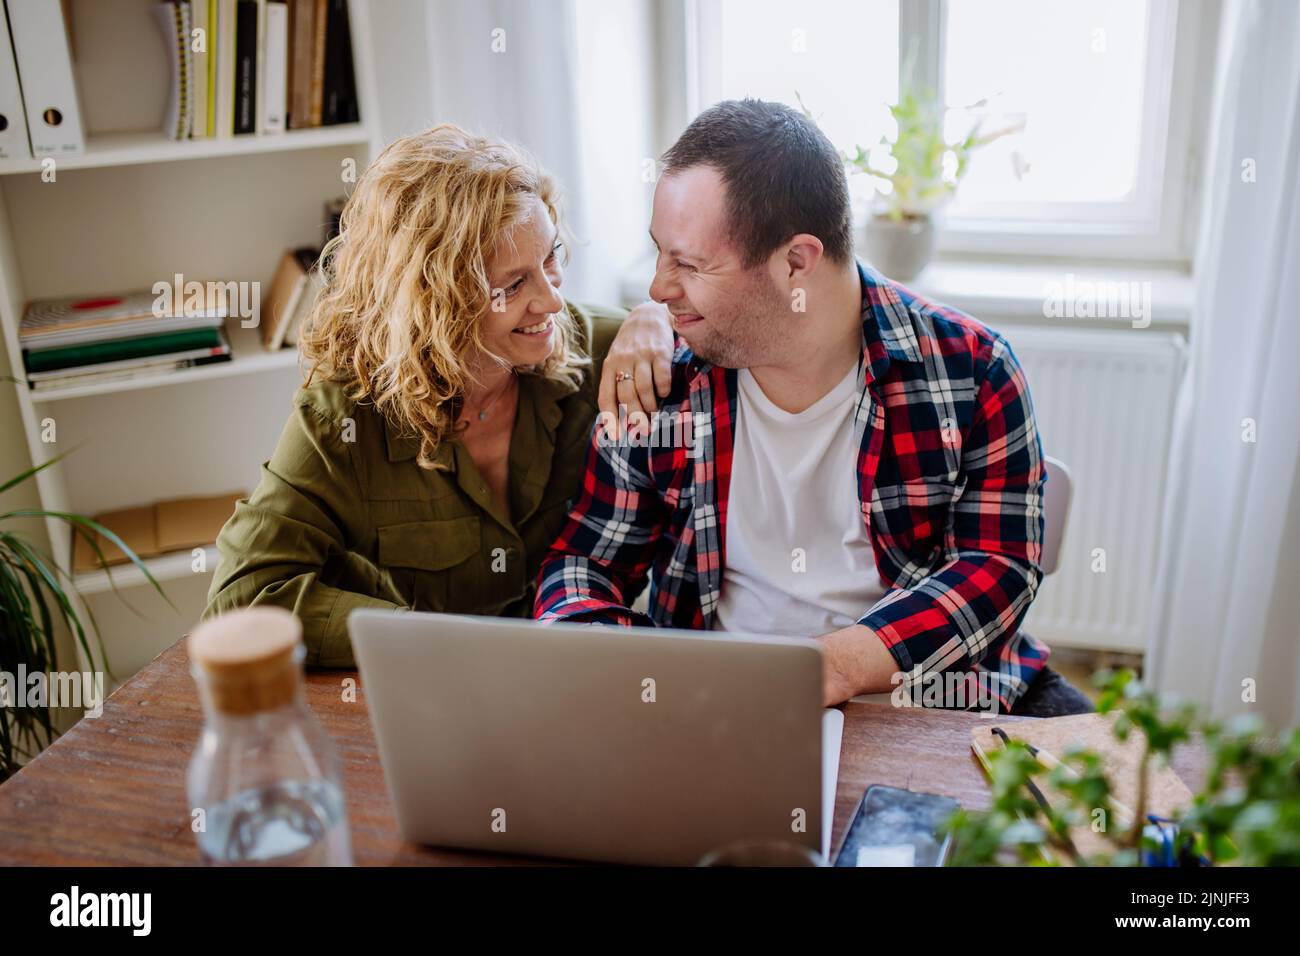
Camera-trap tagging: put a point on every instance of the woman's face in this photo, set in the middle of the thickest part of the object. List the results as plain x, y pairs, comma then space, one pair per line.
525, 274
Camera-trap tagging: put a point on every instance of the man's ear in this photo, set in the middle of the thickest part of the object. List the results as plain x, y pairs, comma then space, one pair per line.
803, 253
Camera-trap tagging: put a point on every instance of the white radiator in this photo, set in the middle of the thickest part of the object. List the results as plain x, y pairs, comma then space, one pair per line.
1104, 403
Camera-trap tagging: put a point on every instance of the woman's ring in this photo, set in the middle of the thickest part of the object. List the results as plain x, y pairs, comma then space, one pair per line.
623, 377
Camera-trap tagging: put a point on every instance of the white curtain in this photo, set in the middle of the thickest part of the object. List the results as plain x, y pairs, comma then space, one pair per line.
507, 68
571, 80
1226, 626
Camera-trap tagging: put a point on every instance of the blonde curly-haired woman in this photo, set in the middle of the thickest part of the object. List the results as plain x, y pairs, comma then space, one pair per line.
451, 393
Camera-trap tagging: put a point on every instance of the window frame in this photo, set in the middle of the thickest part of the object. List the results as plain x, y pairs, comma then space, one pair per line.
1181, 74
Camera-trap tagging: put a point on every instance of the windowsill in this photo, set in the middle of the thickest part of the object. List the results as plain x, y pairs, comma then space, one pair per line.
1018, 291
1007, 291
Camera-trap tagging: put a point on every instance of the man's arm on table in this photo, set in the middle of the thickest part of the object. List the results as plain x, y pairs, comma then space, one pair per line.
949, 619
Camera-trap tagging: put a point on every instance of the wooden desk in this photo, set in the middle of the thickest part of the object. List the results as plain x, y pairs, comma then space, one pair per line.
111, 791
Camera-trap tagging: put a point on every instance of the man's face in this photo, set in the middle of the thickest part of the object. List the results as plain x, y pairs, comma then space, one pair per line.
729, 315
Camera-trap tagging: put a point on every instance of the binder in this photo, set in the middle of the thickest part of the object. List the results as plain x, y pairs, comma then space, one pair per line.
275, 86
259, 69
44, 57
13, 121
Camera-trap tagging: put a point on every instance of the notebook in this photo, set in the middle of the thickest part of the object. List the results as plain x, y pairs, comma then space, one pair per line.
1167, 795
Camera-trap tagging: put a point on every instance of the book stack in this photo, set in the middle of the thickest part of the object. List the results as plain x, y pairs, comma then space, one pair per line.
78, 341
264, 66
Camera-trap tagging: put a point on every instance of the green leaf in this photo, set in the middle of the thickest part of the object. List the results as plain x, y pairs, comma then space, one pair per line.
85, 526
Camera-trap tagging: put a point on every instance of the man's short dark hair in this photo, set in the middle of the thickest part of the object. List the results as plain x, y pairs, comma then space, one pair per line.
782, 174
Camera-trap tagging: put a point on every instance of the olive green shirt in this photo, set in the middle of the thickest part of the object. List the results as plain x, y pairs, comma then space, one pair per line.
344, 518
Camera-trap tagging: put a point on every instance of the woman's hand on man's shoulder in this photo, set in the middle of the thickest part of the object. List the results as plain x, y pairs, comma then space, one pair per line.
637, 372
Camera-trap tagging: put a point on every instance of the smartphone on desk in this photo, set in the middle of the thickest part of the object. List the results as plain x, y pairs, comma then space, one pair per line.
895, 827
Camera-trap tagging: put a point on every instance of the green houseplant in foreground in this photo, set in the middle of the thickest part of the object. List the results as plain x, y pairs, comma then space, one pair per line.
34, 603
1247, 814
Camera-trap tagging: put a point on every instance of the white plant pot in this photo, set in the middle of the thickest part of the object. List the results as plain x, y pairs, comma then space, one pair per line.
899, 249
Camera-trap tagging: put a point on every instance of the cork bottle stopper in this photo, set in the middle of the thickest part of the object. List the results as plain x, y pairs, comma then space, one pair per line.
249, 658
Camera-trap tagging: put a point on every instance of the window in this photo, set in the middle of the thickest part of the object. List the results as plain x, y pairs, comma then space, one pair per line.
839, 60
1077, 91
1101, 93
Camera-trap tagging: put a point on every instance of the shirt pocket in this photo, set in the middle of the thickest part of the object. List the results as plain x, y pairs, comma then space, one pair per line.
422, 557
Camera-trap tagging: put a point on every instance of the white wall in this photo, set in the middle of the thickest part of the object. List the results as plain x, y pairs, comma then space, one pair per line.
403, 73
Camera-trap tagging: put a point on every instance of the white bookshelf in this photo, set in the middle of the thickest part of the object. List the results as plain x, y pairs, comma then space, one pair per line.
137, 208
127, 149
165, 567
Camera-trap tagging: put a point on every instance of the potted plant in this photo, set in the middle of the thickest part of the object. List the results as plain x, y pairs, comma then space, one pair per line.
34, 603
900, 234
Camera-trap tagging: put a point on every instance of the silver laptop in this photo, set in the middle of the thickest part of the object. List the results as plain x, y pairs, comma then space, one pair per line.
599, 743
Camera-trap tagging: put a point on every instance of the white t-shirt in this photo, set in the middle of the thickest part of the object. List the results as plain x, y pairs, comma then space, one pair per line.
798, 555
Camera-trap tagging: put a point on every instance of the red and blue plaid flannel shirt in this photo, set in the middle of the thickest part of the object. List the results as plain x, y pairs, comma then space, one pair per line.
950, 479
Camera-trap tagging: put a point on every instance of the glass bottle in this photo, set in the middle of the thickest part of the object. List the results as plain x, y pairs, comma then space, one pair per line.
264, 783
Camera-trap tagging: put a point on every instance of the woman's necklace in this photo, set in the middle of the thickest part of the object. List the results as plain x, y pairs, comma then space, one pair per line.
483, 412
